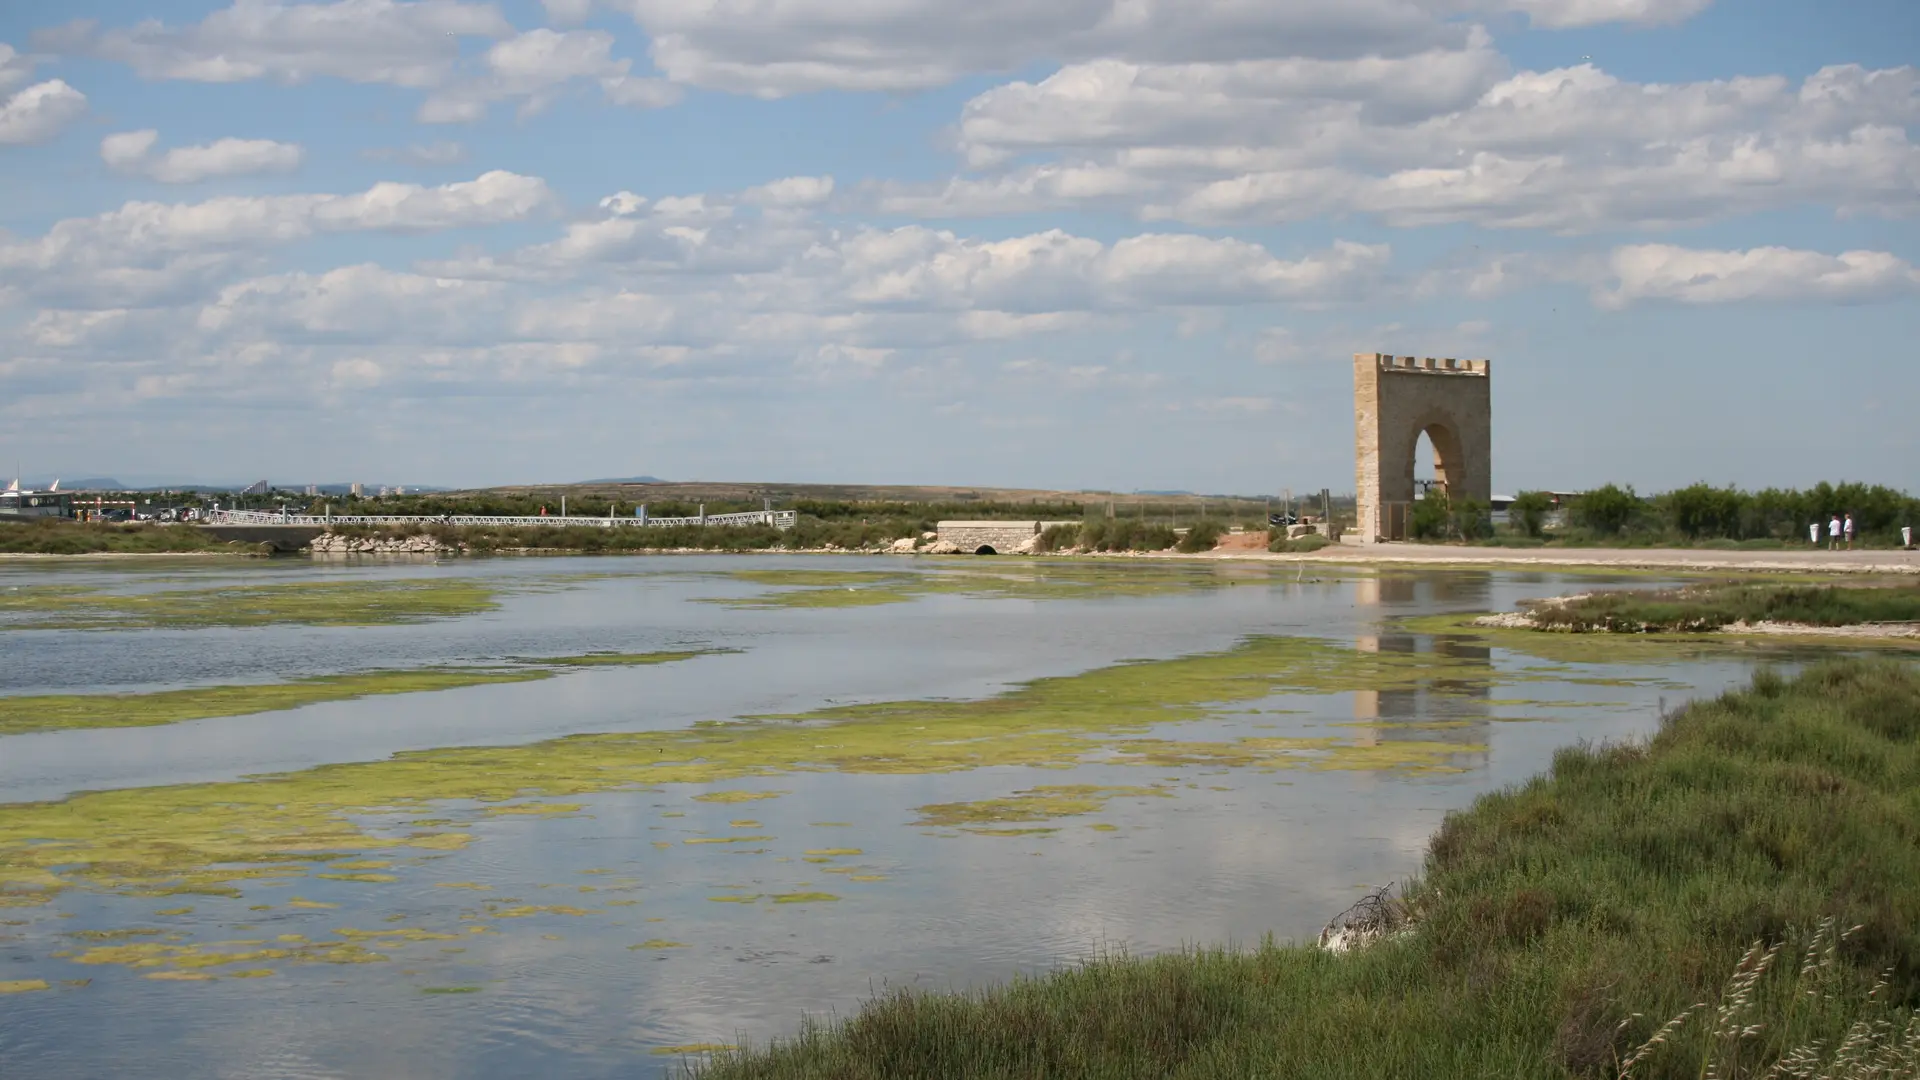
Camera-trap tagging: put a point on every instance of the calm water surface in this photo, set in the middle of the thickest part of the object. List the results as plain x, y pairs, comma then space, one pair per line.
1235, 854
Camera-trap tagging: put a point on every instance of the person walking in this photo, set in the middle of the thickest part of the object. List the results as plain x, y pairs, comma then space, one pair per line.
1833, 533
1849, 529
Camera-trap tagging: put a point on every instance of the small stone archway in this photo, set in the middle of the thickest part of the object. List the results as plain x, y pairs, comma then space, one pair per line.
985, 549
1395, 401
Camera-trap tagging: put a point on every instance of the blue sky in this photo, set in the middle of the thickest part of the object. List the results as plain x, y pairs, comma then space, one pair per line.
1124, 244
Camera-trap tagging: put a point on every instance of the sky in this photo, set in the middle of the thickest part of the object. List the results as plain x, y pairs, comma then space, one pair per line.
1103, 244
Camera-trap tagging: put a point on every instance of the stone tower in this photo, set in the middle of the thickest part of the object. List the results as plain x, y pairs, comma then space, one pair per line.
1394, 400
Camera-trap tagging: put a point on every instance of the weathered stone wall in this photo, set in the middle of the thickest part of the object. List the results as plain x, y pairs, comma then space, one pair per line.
1002, 536
1395, 399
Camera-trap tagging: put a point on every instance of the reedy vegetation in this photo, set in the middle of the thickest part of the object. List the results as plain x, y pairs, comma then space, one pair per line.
1710, 607
1580, 925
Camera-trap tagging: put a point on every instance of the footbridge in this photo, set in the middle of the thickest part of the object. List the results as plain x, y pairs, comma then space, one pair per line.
779, 519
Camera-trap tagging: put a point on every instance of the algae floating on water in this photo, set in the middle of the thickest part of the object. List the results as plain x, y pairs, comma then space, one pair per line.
312, 603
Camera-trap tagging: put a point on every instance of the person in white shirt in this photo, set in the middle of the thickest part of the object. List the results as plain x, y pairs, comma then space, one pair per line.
1833, 533
1849, 528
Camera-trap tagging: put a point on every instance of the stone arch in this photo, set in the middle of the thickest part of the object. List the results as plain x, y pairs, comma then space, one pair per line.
1395, 400
985, 549
1449, 457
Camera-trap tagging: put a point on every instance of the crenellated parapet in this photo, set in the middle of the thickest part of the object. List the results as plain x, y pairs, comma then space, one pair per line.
1425, 365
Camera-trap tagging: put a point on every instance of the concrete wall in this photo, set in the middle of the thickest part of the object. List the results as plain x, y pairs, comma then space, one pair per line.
1002, 536
282, 537
1395, 399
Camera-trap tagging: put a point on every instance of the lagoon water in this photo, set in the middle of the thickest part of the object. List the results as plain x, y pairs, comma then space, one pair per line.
588, 941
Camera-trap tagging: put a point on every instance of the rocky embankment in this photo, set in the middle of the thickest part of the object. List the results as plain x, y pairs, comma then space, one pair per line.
418, 544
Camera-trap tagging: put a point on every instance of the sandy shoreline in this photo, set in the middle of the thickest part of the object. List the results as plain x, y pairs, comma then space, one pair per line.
1404, 555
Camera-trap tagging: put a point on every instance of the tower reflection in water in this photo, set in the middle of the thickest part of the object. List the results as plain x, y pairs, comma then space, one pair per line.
1450, 705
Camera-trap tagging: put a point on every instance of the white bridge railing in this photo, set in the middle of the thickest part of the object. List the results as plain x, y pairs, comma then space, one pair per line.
779, 519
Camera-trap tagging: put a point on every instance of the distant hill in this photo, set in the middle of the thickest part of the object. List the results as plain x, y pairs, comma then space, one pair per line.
622, 480
85, 483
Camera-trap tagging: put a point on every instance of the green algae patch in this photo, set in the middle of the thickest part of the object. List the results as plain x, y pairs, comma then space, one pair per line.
1104, 827
536, 809
726, 839
743, 823
1036, 804
834, 851
612, 659
695, 1048
311, 603
526, 910
738, 898
56, 712
449, 989
659, 943
22, 986
213, 838
803, 898
1008, 832
177, 961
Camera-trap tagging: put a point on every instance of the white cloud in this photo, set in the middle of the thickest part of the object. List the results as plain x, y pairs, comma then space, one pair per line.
1439, 137
1776, 274
1562, 14
129, 152
14, 68
115, 258
534, 67
39, 112
370, 41
777, 47
794, 191
364, 302
567, 12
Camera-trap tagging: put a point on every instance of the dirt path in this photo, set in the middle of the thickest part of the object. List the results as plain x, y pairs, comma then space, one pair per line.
1803, 562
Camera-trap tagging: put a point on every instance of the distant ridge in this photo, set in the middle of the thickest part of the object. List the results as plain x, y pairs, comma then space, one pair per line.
623, 480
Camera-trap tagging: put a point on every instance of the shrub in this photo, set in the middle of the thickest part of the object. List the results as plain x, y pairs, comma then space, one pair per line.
1528, 512
1431, 518
1606, 510
1122, 534
1059, 537
1203, 536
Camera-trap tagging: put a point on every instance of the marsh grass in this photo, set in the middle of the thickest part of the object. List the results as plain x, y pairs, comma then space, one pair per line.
1711, 607
55, 537
1581, 925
